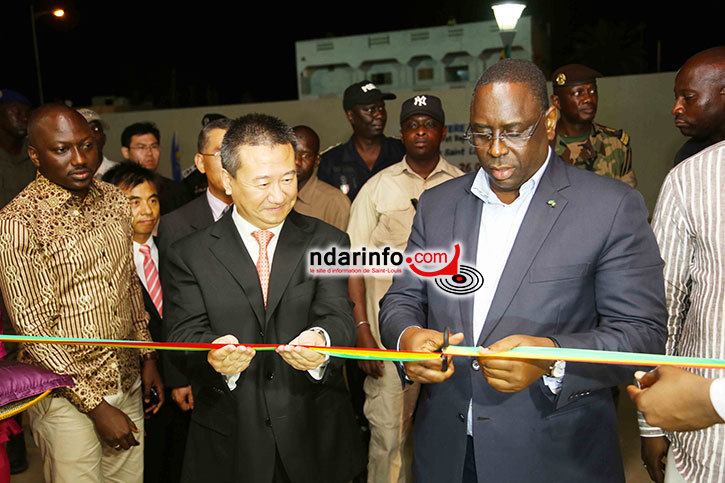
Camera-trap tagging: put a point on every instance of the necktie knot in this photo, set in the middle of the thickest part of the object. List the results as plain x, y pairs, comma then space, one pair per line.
145, 249
263, 237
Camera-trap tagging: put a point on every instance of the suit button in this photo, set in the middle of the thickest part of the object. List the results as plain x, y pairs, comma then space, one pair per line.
268, 422
462, 417
261, 333
270, 375
475, 365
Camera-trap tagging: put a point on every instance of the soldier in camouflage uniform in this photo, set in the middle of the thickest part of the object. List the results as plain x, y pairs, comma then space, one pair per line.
580, 141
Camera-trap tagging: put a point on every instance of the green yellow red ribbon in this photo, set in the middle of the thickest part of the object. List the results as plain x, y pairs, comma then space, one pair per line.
541, 353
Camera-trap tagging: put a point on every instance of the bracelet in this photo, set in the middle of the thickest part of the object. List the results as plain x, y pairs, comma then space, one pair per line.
149, 356
362, 322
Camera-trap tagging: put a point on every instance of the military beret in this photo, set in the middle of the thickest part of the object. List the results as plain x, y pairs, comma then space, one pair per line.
574, 75
9, 95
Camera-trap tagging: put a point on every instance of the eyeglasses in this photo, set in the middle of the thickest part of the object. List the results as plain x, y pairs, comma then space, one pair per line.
146, 147
216, 155
511, 138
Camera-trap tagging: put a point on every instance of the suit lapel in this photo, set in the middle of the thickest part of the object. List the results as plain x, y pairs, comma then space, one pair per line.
467, 220
292, 245
535, 227
230, 251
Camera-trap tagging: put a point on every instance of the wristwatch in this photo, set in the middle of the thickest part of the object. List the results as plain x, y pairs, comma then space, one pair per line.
557, 369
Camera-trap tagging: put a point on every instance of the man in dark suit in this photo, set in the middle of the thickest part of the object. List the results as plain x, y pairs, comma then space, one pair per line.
140, 144
567, 258
167, 428
199, 213
263, 417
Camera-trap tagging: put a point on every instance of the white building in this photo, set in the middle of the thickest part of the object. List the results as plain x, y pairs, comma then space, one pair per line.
405, 60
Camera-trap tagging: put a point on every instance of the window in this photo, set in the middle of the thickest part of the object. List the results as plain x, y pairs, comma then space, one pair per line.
425, 73
457, 73
382, 78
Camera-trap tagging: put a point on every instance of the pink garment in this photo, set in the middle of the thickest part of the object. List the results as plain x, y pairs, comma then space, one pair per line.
8, 427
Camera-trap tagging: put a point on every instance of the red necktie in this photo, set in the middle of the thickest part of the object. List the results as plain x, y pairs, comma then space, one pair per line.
263, 237
152, 279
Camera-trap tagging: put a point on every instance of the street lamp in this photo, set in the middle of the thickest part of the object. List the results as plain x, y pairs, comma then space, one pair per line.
58, 13
507, 15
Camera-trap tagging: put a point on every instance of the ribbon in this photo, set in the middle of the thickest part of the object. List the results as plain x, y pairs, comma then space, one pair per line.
540, 353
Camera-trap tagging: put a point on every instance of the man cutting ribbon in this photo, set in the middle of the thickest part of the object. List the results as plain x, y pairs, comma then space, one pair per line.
557, 270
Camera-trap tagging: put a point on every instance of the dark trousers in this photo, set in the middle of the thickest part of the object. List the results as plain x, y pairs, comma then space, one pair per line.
166, 433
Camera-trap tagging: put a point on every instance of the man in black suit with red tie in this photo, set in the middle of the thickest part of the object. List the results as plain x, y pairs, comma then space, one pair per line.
167, 428
263, 417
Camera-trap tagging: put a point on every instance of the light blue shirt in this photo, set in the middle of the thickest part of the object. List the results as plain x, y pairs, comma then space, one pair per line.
500, 224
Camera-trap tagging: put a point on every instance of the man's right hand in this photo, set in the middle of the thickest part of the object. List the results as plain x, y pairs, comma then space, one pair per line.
426, 340
230, 359
654, 451
183, 397
113, 426
365, 340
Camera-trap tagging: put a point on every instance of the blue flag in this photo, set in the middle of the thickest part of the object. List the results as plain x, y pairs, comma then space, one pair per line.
175, 165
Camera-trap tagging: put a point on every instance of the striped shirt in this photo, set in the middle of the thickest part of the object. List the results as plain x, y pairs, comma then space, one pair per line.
689, 223
66, 270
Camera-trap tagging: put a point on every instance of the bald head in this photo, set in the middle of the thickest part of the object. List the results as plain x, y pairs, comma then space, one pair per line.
308, 153
699, 108
62, 147
47, 117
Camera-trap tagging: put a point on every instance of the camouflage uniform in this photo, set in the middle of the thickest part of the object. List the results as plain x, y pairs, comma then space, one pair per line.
606, 152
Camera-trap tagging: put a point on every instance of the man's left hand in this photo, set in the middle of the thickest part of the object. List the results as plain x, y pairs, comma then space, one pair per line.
302, 358
151, 378
513, 375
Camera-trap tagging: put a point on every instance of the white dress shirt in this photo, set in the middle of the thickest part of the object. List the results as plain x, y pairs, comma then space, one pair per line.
217, 206
138, 259
717, 396
245, 230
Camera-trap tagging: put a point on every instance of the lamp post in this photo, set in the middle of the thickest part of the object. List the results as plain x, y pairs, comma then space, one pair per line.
507, 15
58, 13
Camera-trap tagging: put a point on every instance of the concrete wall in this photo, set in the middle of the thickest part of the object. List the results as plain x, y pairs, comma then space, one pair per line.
640, 104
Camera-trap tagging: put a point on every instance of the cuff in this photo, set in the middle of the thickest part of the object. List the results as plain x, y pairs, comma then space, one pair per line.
717, 396
319, 372
231, 380
647, 431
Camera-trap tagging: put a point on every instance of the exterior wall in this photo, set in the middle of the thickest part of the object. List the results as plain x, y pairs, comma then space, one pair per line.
326, 66
640, 104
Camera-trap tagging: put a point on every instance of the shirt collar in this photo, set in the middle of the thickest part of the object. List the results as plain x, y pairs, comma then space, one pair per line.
62, 195
217, 206
245, 228
150, 243
308, 189
482, 188
442, 166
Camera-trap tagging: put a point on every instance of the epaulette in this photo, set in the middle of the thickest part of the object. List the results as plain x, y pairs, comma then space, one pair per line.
621, 134
188, 171
328, 148
624, 137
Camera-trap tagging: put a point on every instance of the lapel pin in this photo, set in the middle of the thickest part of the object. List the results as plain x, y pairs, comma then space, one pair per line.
551, 203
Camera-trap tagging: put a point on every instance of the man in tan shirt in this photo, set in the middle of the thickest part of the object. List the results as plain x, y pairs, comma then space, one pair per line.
382, 215
67, 270
315, 197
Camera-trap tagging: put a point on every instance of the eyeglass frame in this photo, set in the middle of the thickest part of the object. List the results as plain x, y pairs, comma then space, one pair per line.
523, 138
217, 154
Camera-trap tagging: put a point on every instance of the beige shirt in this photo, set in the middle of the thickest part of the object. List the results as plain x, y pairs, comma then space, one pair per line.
382, 215
67, 270
323, 201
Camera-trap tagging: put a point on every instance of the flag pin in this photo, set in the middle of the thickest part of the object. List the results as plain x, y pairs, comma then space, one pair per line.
551, 203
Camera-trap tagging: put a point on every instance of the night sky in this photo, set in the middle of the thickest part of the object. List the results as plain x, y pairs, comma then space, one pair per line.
152, 52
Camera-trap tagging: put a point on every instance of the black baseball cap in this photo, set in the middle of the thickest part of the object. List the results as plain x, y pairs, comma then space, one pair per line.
363, 92
423, 104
